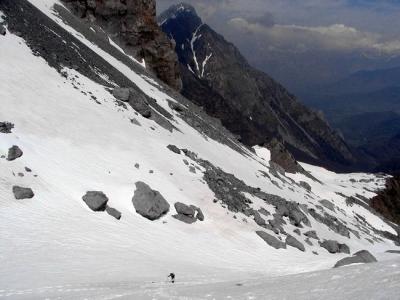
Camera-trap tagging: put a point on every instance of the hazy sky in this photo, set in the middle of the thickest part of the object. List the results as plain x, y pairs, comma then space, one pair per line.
291, 28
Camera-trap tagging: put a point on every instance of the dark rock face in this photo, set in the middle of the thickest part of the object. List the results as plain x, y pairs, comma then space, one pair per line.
21, 193
291, 241
113, 212
3, 30
362, 256
335, 247
387, 202
6, 127
149, 203
248, 102
97, 201
134, 25
14, 152
271, 240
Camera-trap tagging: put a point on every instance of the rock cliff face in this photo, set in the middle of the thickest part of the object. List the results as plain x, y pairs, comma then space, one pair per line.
133, 26
387, 202
248, 102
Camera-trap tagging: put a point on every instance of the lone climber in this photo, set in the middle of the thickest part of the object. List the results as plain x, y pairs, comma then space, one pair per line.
172, 276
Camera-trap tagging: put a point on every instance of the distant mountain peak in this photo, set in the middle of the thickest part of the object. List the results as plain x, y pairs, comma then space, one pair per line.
180, 10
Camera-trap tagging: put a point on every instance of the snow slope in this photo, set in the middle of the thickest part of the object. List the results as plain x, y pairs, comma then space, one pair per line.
74, 144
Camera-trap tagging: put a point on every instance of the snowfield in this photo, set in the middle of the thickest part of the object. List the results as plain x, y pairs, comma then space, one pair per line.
76, 138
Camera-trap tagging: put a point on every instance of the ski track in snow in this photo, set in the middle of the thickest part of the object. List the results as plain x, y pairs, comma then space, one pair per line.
54, 246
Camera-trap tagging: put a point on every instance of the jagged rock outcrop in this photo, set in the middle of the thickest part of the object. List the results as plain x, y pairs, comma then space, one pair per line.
248, 102
134, 27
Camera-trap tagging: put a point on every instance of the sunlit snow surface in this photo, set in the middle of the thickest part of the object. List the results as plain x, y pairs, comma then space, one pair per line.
54, 246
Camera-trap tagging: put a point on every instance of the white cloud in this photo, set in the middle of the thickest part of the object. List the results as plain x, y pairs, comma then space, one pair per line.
336, 37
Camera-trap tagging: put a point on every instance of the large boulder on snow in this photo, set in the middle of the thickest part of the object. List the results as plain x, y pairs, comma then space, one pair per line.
22, 193
363, 257
96, 200
6, 127
271, 240
335, 247
14, 152
291, 241
121, 94
149, 203
188, 214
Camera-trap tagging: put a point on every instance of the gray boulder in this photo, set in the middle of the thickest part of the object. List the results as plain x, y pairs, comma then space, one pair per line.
21, 193
14, 152
271, 240
335, 247
297, 231
188, 214
362, 256
113, 212
121, 94
96, 200
291, 241
174, 149
6, 127
149, 203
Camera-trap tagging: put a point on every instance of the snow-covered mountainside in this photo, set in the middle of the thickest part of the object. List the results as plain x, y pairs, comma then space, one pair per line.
108, 176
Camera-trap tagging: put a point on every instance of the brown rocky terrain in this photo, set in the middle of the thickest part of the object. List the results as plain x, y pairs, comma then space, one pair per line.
133, 26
